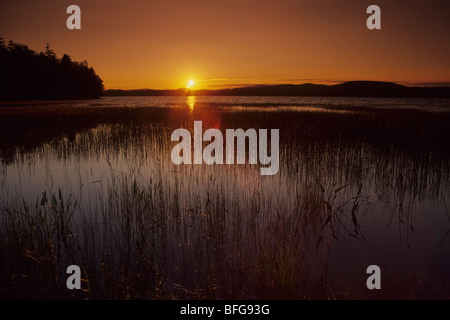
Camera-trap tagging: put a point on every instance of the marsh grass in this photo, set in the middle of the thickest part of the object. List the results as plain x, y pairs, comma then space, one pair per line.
143, 228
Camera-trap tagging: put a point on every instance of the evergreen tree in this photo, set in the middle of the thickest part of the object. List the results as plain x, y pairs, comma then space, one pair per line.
27, 74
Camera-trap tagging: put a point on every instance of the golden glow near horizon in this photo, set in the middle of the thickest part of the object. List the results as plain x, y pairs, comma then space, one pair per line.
162, 44
191, 83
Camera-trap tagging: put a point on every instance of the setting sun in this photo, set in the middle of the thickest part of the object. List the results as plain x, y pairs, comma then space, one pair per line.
190, 83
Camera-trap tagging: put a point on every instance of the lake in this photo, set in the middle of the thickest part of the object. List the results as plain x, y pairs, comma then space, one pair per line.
361, 181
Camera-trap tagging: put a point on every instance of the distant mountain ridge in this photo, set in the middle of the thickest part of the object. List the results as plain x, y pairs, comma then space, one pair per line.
346, 89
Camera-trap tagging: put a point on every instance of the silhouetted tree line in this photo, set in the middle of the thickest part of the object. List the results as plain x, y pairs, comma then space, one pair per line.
26, 74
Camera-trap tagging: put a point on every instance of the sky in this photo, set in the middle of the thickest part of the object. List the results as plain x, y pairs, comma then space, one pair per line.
163, 44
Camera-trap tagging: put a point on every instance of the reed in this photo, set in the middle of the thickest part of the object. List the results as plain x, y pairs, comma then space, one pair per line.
110, 200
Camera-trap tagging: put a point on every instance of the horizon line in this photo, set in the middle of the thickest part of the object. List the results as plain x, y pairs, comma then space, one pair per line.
411, 84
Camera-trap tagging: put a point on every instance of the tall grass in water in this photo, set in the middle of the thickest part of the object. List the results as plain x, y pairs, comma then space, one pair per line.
141, 227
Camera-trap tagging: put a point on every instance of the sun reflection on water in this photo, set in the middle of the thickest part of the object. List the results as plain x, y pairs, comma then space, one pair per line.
190, 101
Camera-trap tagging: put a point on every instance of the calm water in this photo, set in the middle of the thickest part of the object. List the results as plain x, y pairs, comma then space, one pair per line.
298, 103
361, 181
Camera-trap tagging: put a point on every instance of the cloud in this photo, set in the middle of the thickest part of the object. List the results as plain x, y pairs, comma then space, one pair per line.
305, 80
427, 84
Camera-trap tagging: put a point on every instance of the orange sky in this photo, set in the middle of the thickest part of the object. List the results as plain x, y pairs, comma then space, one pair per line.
162, 44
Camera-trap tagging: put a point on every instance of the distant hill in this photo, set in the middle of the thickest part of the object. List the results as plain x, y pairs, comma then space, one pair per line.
346, 89
29, 75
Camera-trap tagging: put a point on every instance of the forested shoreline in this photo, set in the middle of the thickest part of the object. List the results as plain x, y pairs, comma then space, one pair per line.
31, 75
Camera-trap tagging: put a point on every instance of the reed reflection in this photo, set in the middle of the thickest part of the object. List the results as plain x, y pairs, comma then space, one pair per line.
112, 190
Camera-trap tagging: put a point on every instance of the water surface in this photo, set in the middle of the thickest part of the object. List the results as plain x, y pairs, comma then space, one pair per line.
362, 181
